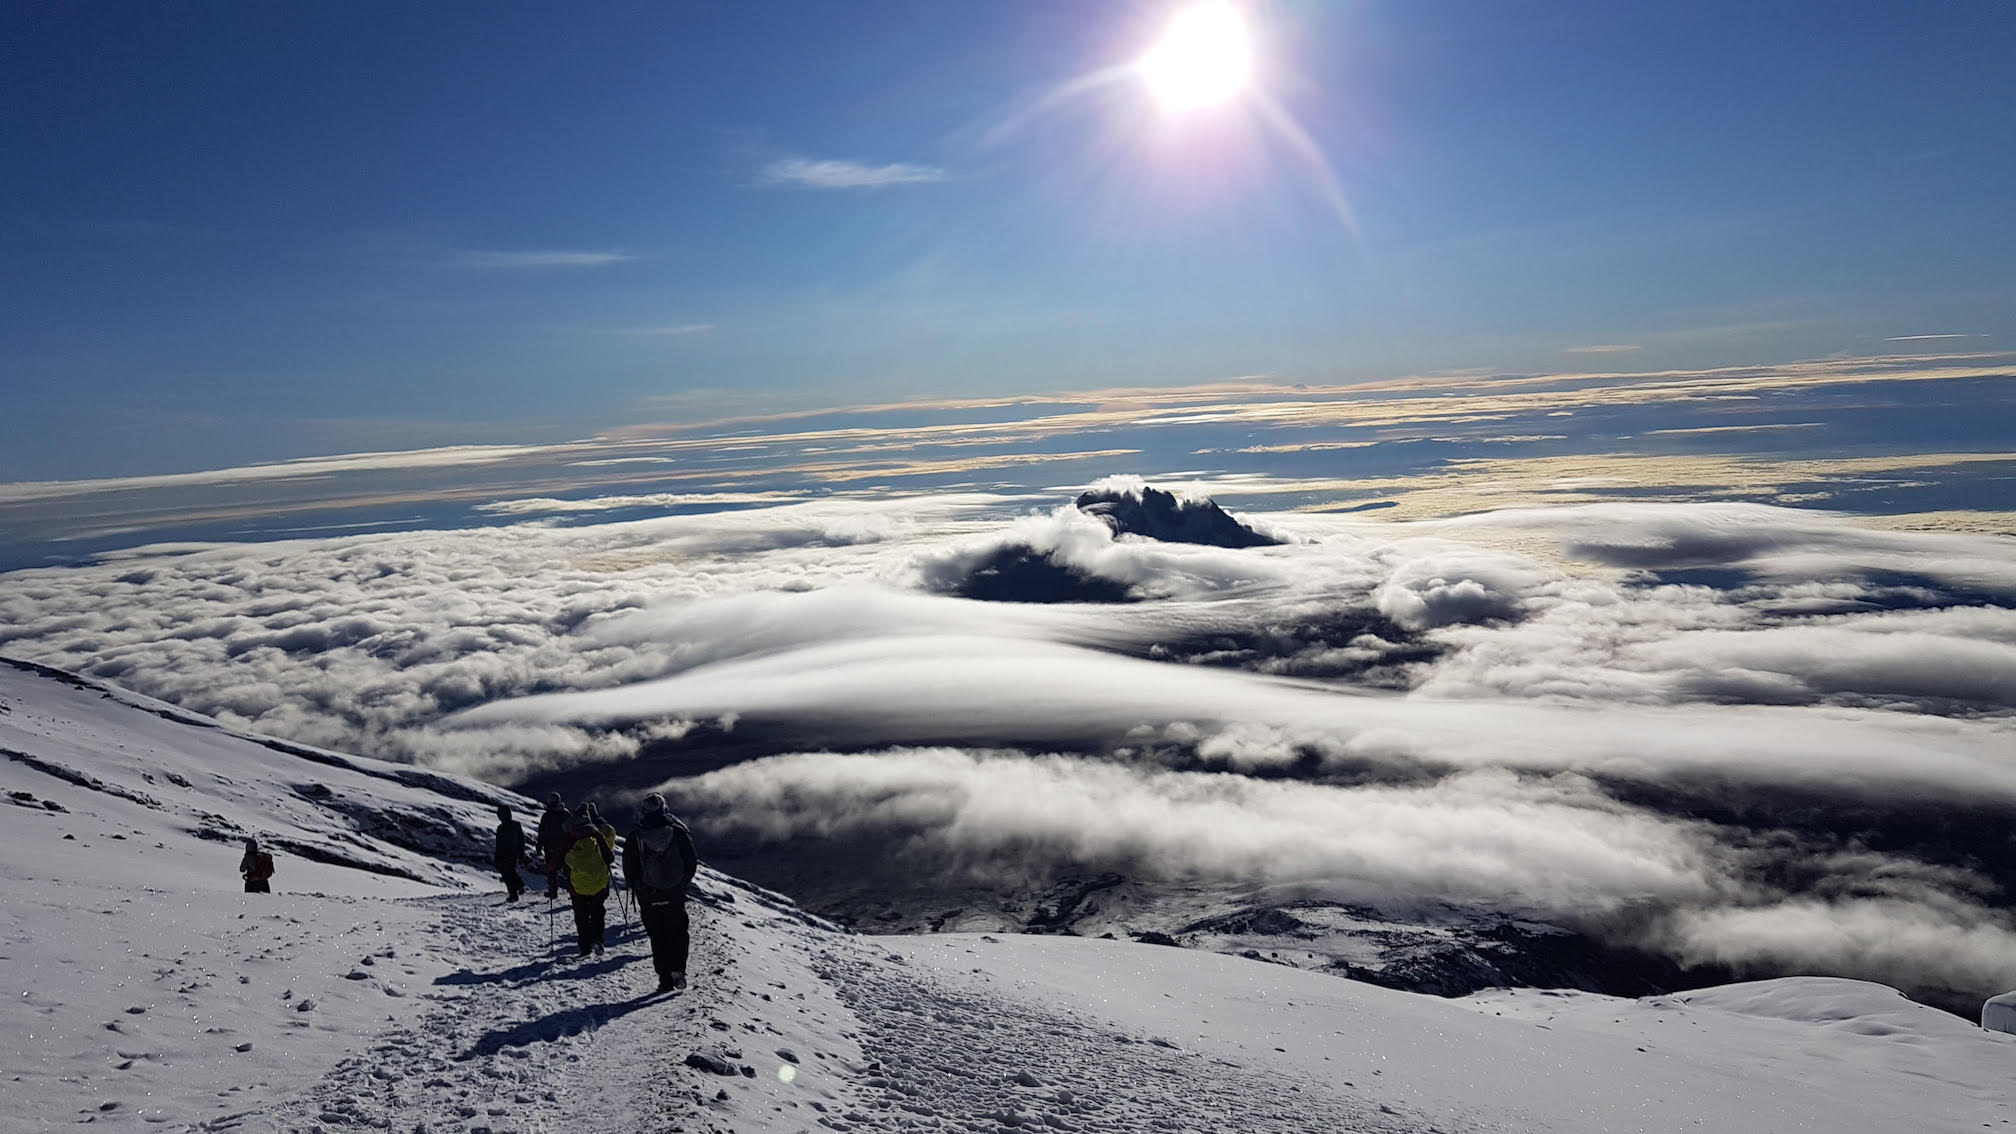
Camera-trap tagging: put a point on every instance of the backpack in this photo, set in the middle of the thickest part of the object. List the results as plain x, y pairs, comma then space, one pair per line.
262, 867
588, 863
659, 861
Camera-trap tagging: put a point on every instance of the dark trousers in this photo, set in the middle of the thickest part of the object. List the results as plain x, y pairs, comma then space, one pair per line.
666, 923
258, 886
513, 884
555, 873
589, 919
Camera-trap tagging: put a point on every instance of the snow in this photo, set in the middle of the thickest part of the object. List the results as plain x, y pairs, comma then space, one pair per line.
387, 986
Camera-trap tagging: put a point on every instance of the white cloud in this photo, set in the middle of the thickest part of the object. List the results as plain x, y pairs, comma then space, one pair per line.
995, 691
1784, 544
1930, 943
808, 173
300, 468
1458, 585
1555, 847
669, 330
540, 505
1549, 845
1543, 667
1772, 428
538, 258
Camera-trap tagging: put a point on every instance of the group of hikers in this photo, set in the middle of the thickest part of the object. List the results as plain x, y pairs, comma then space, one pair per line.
577, 849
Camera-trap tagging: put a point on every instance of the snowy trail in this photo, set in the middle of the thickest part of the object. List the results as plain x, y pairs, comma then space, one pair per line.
952, 1057
523, 1039
529, 1040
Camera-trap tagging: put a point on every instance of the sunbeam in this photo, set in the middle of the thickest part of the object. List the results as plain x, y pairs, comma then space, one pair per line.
1328, 185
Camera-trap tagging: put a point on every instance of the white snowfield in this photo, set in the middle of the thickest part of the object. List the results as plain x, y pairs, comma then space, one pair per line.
383, 986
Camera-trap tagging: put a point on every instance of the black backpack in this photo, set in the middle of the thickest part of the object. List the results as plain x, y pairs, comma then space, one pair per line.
660, 862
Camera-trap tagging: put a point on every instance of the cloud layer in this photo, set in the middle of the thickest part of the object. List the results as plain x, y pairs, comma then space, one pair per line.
1674, 724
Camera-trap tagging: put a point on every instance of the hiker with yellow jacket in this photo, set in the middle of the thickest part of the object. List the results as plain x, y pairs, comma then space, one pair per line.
591, 847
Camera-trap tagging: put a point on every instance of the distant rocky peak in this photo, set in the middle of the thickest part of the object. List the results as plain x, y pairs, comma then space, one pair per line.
1151, 512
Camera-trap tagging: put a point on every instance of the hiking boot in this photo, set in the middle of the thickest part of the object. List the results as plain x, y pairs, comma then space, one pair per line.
674, 983
598, 950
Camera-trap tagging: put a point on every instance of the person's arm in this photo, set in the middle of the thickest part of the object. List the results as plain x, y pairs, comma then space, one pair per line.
692, 856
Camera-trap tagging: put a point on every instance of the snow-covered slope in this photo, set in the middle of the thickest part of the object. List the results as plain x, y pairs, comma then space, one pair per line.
384, 985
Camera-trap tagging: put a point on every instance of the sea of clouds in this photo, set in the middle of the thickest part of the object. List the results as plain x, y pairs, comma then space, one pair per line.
1716, 730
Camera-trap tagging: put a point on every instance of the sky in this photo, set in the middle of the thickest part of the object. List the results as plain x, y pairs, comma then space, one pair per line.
246, 233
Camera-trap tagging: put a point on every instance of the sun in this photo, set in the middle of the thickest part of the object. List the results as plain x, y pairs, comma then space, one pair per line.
1202, 60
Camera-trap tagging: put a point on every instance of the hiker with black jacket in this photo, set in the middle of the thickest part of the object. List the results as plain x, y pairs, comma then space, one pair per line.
256, 868
553, 842
658, 862
510, 848
591, 847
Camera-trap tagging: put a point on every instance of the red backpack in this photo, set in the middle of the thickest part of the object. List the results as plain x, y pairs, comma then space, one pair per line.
262, 867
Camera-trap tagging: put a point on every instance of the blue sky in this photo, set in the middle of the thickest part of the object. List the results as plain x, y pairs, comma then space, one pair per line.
251, 232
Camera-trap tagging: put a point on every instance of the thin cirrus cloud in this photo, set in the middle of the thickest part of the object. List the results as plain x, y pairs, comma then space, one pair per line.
534, 259
828, 173
663, 331
1602, 348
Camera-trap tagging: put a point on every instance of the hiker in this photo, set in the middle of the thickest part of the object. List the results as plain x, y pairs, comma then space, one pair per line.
510, 848
658, 862
256, 868
553, 842
591, 847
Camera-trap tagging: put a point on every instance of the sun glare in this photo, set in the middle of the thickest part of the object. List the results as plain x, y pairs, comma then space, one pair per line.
1202, 60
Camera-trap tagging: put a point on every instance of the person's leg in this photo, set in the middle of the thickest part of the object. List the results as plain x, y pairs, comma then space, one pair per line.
681, 937
552, 877
582, 923
599, 919
657, 919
